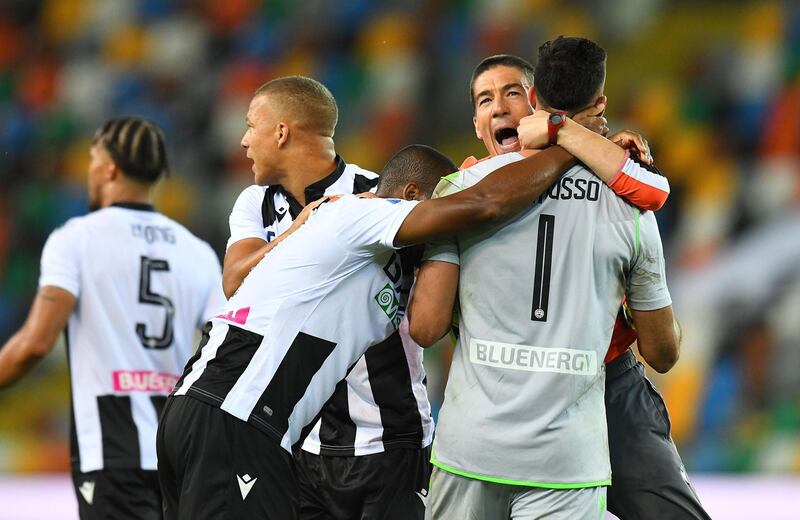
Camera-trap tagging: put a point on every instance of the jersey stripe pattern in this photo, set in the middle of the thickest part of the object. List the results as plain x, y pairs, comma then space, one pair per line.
299, 322
383, 402
143, 284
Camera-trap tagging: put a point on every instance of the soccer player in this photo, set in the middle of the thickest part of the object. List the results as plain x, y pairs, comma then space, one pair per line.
527, 382
648, 473
268, 364
130, 286
379, 416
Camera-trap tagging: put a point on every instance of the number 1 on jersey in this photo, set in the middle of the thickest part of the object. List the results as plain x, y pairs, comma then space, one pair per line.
146, 295
541, 272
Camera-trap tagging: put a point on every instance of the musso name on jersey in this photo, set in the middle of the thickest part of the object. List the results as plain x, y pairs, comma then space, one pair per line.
572, 188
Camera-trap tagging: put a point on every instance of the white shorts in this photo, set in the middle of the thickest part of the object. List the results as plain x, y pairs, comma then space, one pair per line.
453, 497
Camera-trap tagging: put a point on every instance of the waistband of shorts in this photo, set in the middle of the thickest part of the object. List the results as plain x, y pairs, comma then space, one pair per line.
620, 364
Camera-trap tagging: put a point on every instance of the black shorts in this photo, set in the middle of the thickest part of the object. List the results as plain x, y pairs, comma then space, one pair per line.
392, 485
648, 479
212, 465
125, 494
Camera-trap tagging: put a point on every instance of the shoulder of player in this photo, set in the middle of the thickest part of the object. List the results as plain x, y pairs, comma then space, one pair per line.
76, 225
356, 205
486, 166
251, 195
182, 230
464, 178
353, 169
192, 245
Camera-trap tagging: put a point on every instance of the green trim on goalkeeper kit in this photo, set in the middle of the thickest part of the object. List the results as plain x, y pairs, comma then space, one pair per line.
452, 179
636, 245
510, 482
602, 505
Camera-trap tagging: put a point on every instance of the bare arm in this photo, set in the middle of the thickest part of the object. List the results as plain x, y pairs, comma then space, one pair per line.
641, 185
659, 337
47, 319
240, 259
243, 255
501, 195
599, 154
430, 311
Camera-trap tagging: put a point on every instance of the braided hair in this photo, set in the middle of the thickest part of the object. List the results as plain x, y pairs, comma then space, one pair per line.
137, 147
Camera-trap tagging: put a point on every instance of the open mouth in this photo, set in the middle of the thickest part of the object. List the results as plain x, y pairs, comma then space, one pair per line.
507, 137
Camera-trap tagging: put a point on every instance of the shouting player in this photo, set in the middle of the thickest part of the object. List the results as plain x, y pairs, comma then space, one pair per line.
500, 95
269, 363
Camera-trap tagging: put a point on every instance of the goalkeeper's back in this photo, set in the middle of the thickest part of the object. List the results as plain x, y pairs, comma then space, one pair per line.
538, 300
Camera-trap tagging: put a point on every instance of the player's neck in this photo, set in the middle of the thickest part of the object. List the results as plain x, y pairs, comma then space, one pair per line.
130, 193
306, 170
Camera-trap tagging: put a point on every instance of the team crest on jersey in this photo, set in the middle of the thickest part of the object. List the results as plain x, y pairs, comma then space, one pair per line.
388, 302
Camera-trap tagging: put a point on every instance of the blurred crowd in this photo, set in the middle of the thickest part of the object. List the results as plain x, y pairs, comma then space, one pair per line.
714, 86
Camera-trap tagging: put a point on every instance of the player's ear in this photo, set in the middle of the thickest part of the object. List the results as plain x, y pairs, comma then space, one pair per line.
111, 172
477, 131
282, 134
601, 100
532, 97
412, 192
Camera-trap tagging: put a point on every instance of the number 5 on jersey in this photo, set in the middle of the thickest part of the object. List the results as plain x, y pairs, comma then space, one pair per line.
541, 271
146, 295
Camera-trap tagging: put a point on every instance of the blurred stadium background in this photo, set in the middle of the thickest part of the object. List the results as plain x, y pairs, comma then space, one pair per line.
714, 86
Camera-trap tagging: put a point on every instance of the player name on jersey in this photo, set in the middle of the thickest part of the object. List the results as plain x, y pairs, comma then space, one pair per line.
144, 285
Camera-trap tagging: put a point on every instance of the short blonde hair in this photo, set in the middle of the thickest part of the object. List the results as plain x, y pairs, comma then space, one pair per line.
307, 100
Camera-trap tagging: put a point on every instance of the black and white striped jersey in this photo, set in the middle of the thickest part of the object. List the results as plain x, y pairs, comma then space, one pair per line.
303, 318
383, 402
144, 285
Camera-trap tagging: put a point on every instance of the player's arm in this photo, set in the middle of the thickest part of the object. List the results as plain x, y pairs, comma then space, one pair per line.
243, 255
430, 311
499, 196
659, 338
47, 319
649, 300
632, 177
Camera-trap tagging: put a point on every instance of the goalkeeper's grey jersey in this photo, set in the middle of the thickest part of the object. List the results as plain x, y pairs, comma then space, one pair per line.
538, 299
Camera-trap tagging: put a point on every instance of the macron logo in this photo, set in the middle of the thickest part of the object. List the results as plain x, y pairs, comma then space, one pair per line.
246, 484
239, 316
87, 491
423, 495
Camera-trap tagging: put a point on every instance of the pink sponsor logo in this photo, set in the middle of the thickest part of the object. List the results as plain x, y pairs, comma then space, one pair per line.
143, 381
239, 316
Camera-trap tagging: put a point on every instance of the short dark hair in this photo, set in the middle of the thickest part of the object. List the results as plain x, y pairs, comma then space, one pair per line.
416, 163
306, 99
569, 73
498, 60
136, 146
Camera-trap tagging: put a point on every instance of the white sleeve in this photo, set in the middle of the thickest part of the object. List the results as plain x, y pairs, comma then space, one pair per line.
245, 220
367, 224
60, 259
215, 298
647, 282
445, 250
